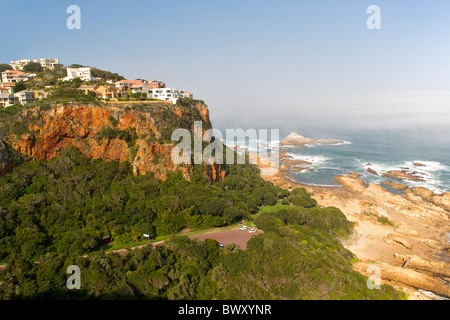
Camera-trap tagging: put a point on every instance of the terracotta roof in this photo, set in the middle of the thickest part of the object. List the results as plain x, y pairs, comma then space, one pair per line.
14, 71
131, 81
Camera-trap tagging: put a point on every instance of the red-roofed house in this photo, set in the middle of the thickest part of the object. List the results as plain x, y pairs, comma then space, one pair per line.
12, 76
136, 86
6, 89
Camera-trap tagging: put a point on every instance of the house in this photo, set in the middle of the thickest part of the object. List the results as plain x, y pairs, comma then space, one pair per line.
87, 88
153, 84
6, 89
83, 73
8, 99
25, 96
104, 91
9, 87
136, 86
50, 63
187, 95
12, 76
110, 92
166, 94
45, 63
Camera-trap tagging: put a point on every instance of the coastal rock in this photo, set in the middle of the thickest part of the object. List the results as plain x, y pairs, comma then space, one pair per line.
371, 171
300, 169
417, 262
403, 175
354, 174
204, 113
418, 164
395, 185
408, 277
294, 139
442, 200
393, 238
351, 183
433, 244
422, 192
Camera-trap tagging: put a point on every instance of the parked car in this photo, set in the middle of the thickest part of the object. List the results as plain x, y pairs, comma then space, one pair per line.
243, 228
252, 230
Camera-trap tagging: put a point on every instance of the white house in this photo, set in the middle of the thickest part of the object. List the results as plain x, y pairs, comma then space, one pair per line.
45, 63
83, 73
12, 76
166, 94
188, 95
8, 99
25, 96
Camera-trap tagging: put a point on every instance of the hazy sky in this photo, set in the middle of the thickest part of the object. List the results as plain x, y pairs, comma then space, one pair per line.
307, 66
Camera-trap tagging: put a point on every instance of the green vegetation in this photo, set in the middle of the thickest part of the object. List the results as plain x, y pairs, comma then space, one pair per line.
67, 204
54, 212
48, 77
5, 66
382, 220
106, 75
109, 133
33, 67
20, 86
68, 93
295, 258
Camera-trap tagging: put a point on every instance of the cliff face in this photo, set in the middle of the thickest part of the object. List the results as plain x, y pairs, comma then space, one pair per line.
140, 134
5, 161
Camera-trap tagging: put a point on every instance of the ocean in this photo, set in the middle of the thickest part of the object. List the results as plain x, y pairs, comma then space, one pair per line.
380, 151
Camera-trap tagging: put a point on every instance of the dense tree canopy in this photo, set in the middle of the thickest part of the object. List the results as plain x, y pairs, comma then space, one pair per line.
5, 66
32, 67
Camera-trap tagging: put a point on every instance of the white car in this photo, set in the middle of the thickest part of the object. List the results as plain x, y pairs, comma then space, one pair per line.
252, 230
244, 228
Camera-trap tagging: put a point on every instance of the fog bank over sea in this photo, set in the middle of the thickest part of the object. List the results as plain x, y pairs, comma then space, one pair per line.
383, 131
419, 117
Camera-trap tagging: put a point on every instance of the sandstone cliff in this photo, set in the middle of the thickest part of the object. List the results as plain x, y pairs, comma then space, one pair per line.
138, 134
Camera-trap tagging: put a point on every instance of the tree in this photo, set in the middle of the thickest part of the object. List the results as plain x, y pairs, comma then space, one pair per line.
34, 67
20, 86
4, 67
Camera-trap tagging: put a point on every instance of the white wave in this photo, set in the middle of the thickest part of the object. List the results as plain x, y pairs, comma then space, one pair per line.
428, 166
315, 160
429, 173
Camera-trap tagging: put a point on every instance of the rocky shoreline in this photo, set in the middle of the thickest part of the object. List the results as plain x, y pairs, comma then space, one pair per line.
404, 235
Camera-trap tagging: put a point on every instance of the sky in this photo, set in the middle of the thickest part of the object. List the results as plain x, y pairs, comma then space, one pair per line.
307, 66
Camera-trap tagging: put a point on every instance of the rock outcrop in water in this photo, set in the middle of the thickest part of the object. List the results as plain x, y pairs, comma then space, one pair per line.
294, 139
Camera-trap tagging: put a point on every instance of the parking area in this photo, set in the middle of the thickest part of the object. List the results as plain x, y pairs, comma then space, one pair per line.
238, 237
